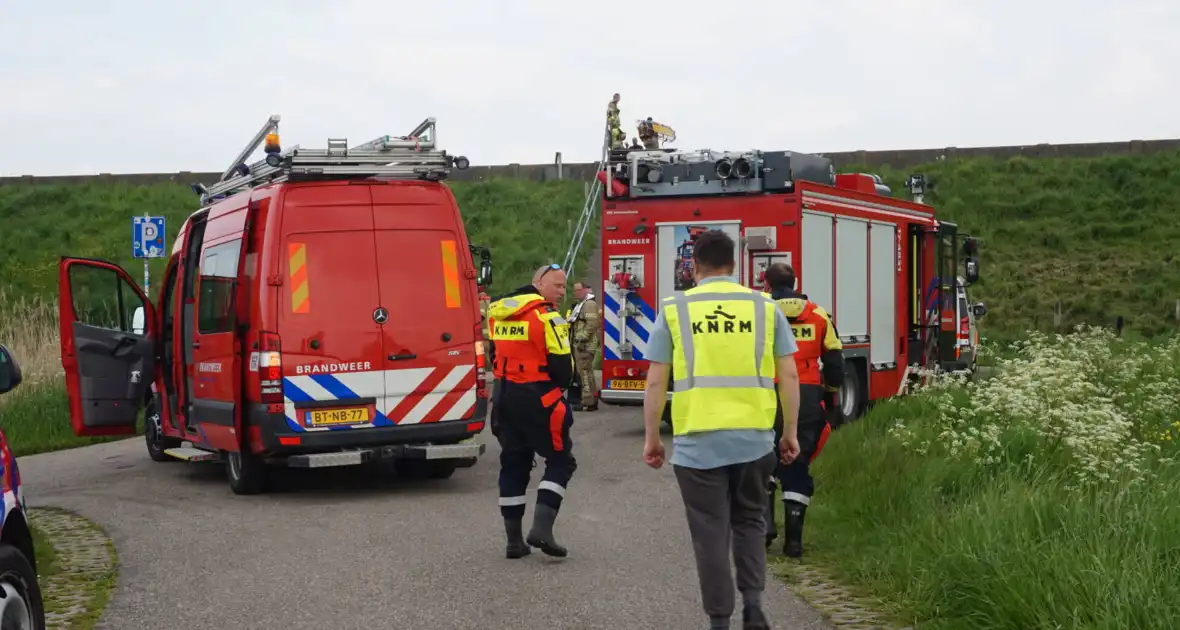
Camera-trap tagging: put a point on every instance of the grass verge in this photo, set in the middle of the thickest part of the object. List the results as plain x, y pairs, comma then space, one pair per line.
47, 561
1044, 497
35, 417
82, 568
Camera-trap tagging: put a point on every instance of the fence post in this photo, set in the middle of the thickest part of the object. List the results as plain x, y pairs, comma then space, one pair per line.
557, 161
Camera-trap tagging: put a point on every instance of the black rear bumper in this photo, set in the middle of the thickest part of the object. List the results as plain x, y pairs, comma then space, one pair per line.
279, 439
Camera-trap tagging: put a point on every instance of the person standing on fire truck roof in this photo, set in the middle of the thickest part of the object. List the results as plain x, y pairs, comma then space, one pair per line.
529, 415
724, 344
816, 338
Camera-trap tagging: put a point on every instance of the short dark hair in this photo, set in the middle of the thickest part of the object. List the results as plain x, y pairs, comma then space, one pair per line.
713, 251
780, 275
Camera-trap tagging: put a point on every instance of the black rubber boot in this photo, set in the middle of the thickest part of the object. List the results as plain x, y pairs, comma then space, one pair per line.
517, 547
541, 535
793, 520
754, 619
771, 525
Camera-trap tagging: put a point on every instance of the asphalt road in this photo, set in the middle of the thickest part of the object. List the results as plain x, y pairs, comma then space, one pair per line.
346, 548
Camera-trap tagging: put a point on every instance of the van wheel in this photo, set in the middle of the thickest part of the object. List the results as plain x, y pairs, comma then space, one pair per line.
667, 417
851, 393
246, 472
153, 435
425, 468
21, 607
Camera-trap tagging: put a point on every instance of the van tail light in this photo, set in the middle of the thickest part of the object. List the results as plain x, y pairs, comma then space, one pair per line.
481, 363
270, 369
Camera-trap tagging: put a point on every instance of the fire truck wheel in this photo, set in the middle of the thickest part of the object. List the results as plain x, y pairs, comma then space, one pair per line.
246, 472
157, 443
425, 469
21, 607
851, 393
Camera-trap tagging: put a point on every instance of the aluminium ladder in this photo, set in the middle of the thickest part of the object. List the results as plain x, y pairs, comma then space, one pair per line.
588, 210
414, 156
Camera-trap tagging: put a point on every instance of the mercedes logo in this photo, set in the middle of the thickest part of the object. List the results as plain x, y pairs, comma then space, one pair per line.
380, 315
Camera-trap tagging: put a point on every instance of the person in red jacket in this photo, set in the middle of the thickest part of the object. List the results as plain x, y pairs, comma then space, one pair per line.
529, 415
817, 340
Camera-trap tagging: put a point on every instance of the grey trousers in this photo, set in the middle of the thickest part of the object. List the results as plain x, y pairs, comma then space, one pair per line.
726, 510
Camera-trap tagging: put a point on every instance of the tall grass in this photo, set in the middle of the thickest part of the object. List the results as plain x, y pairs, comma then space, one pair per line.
28, 327
1045, 497
35, 417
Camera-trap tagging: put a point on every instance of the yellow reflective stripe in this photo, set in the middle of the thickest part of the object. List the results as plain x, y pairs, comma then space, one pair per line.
555, 333
450, 264
297, 268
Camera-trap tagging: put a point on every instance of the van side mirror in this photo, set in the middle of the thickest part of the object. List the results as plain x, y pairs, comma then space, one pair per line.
9, 371
971, 270
485, 273
978, 309
137, 321
485, 265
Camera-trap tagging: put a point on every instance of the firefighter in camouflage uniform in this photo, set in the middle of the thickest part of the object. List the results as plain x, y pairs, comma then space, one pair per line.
584, 328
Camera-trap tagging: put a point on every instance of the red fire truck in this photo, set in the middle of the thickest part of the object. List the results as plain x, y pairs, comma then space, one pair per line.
892, 276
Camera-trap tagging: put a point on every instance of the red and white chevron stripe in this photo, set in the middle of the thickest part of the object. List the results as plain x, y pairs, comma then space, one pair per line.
416, 396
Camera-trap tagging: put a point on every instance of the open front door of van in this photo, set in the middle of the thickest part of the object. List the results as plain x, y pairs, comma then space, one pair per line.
108, 365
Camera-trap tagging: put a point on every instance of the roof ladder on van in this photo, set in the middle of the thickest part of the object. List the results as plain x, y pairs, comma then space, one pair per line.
413, 156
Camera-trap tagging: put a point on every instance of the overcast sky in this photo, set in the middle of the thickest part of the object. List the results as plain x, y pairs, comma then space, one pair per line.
121, 86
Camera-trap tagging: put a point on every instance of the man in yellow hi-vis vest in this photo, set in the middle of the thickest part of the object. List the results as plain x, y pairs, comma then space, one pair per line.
723, 344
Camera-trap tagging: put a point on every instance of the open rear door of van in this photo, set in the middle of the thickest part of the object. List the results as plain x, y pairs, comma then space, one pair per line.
426, 273
108, 365
330, 310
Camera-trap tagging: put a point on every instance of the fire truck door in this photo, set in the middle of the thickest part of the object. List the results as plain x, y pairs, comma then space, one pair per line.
216, 364
947, 265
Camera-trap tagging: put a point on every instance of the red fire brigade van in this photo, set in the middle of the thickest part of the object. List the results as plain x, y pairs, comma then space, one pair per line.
320, 309
884, 268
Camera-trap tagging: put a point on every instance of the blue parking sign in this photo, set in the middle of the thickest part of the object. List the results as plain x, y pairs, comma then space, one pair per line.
147, 237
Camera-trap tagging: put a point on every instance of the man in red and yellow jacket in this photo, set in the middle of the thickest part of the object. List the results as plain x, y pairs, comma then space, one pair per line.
530, 417
817, 340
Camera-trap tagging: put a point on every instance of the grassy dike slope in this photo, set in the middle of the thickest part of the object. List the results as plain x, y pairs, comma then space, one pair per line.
525, 224
1096, 235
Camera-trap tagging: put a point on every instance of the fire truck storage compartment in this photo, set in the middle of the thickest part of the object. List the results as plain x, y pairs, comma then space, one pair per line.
625, 329
883, 269
816, 277
852, 279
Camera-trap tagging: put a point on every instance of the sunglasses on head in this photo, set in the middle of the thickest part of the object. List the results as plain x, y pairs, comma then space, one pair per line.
551, 267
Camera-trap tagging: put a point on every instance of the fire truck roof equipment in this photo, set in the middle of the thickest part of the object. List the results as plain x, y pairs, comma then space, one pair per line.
668, 173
